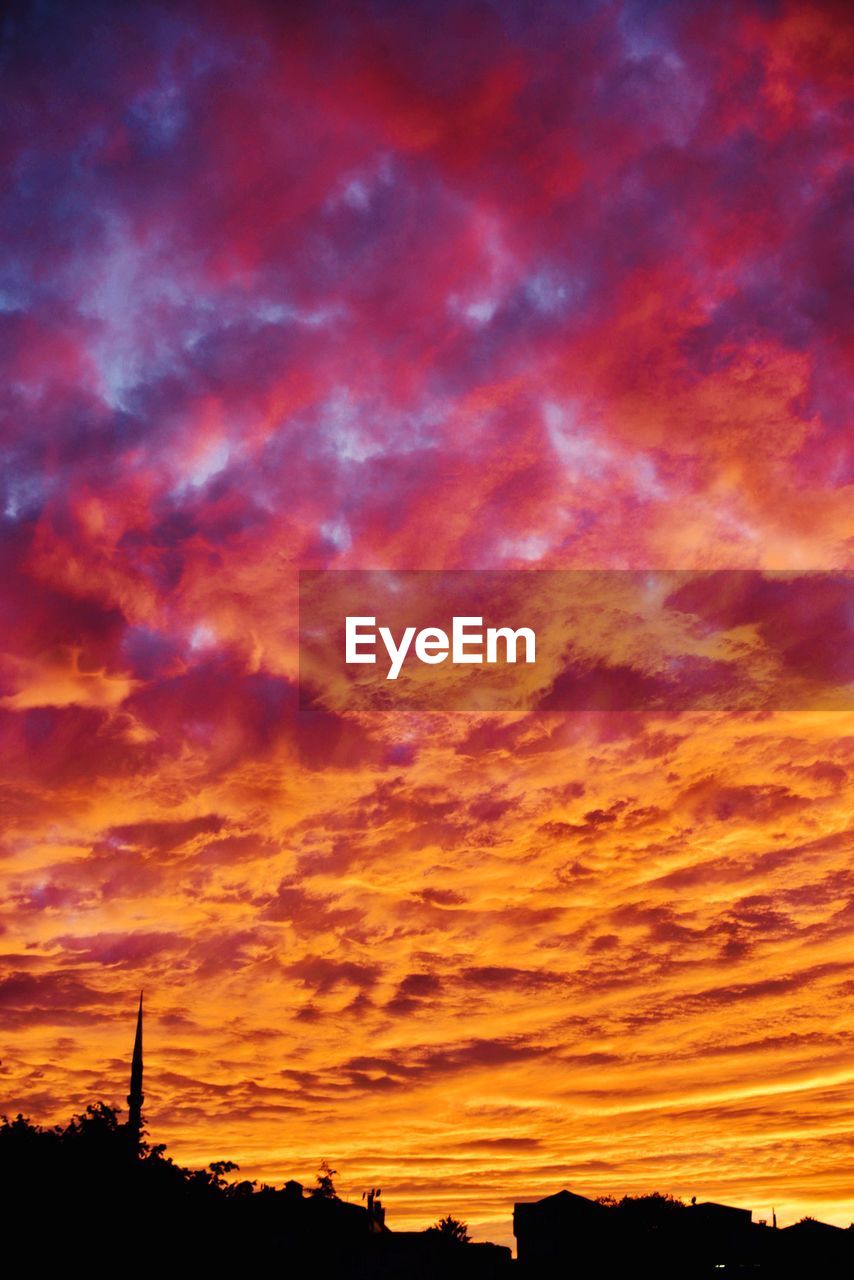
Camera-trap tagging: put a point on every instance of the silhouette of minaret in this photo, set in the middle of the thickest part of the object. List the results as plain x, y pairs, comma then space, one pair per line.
135, 1097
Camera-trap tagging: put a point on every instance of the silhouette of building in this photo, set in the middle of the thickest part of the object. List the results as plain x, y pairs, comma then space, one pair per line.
811, 1248
78, 1188
135, 1097
316, 1231
568, 1235
551, 1232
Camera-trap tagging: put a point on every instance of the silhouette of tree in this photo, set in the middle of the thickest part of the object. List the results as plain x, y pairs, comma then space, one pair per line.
654, 1205
452, 1228
325, 1182
83, 1185
219, 1168
91, 1186
644, 1211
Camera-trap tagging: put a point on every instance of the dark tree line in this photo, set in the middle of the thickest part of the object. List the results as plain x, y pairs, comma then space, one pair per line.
92, 1154
94, 1146
86, 1189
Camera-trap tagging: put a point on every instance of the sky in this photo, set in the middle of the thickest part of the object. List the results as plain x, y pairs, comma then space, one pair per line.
421, 286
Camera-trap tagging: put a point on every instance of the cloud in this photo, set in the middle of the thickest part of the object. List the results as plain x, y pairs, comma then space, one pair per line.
501, 977
436, 897
122, 950
306, 912
322, 975
54, 998
709, 798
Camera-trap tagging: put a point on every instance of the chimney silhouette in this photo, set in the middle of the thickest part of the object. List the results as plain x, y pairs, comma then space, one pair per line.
136, 1097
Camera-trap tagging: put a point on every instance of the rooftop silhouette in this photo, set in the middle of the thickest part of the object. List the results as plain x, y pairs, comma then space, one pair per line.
97, 1190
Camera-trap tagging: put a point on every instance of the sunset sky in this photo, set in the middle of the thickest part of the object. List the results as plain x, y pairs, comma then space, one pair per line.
437, 285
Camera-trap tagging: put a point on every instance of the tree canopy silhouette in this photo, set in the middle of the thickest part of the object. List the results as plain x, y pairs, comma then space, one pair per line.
85, 1183
325, 1187
452, 1228
650, 1210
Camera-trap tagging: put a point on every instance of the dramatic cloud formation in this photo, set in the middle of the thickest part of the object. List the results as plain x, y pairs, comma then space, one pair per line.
446, 285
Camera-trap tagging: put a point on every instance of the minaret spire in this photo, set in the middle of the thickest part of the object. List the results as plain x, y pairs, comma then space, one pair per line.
136, 1097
